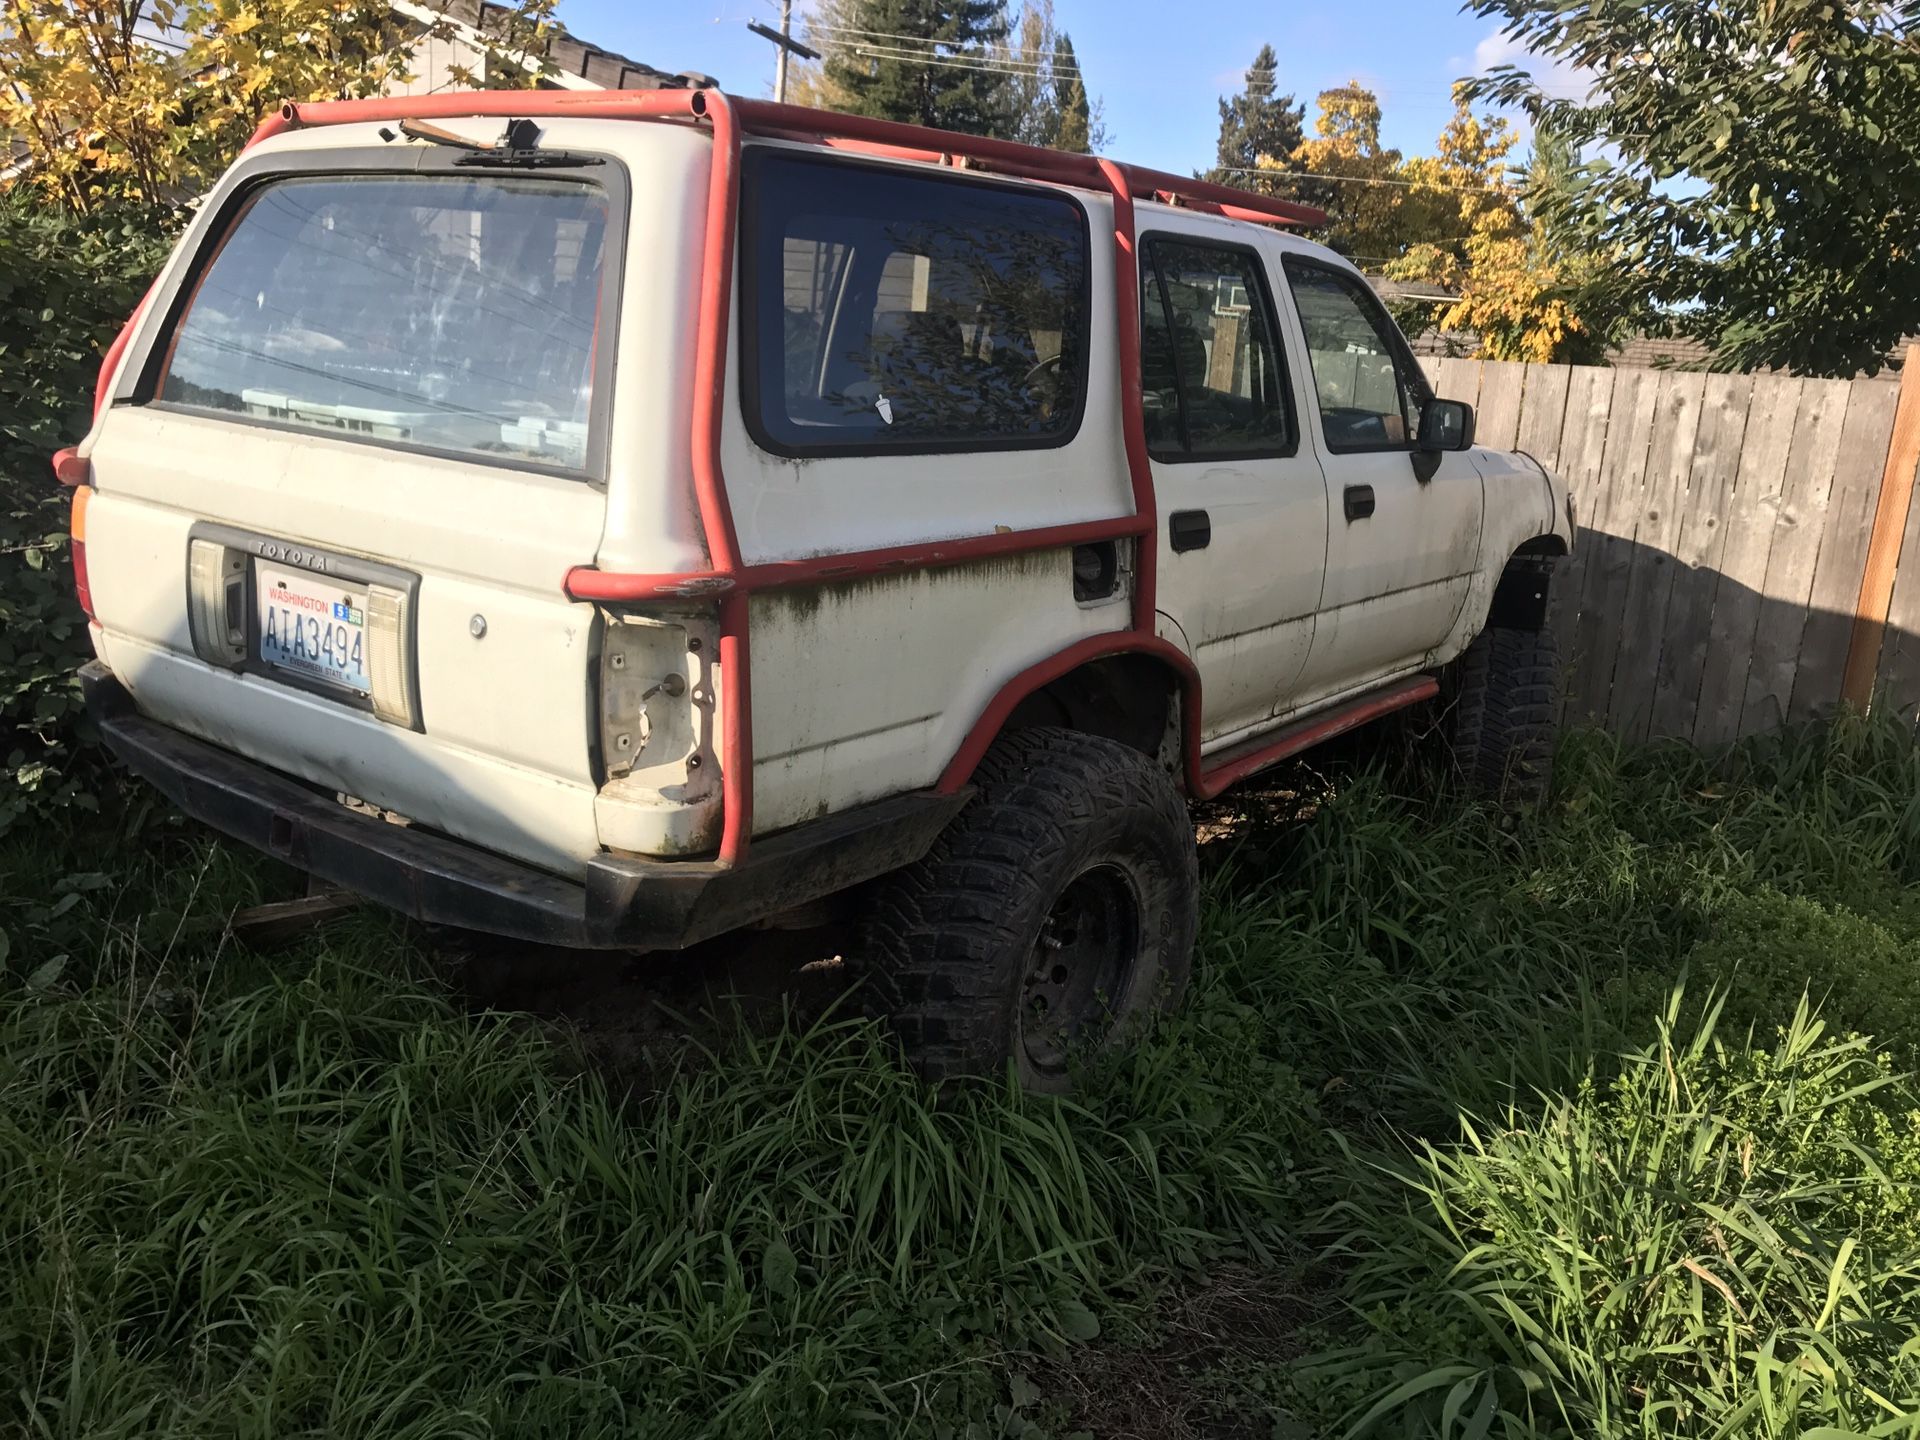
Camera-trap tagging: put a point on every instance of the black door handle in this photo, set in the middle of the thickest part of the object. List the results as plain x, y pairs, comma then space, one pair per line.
1189, 530
1359, 502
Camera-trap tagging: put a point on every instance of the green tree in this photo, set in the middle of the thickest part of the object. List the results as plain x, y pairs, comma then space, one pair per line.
1757, 168
1045, 96
1258, 127
926, 62
1077, 125
67, 280
1028, 58
113, 132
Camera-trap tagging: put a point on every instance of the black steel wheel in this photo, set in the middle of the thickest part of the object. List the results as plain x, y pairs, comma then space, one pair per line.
1081, 962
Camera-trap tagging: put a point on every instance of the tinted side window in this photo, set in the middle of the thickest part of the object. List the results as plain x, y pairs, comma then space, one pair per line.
1159, 376
1209, 368
1369, 399
891, 311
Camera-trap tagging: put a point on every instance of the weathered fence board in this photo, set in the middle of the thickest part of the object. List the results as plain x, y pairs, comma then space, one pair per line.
1899, 665
1743, 563
1456, 379
1543, 412
1797, 527
1843, 549
1882, 653
1610, 556
1497, 414
1726, 554
1636, 669
1701, 539
1583, 440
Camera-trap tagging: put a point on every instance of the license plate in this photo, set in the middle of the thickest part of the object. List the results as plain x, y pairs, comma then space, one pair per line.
312, 626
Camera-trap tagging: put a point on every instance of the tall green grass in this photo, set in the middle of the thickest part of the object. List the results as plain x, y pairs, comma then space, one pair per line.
1720, 1241
1435, 1056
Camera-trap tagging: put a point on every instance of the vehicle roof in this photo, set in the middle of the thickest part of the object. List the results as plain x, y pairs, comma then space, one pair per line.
735, 117
1195, 204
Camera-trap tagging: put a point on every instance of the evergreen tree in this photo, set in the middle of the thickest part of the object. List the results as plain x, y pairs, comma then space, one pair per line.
927, 63
1073, 114
1045, 94
1031, 116
1255, 123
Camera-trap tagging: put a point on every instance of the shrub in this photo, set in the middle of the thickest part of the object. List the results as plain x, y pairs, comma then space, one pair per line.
1723, 1241
66, 286
1767, 949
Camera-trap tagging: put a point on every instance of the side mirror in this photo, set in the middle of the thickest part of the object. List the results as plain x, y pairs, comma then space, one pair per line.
1445, 425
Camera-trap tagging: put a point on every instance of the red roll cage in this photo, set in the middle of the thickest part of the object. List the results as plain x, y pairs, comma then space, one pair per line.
730, 579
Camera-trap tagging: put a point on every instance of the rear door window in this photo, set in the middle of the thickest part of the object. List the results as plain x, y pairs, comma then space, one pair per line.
890, 312
450, 313
1212, 384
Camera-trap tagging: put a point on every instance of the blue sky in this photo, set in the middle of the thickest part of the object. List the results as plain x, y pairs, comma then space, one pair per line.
1159, 67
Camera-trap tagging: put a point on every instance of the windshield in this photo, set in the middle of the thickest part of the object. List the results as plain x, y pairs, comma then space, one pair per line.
449, 312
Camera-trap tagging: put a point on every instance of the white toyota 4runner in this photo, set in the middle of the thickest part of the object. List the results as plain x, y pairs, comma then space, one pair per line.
614, 519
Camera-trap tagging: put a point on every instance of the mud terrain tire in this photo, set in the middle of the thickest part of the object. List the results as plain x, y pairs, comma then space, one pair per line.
1503, 718
1055, 912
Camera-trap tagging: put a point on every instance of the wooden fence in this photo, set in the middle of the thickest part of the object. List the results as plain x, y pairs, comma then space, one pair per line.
1749, 548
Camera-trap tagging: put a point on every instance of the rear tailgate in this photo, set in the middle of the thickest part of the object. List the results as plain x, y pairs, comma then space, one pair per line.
374, 421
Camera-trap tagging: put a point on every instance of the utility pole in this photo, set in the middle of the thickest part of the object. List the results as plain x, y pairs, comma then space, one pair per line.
784, 45
780, 62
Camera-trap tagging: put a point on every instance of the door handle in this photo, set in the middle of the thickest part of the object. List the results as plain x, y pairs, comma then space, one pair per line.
1189, 530
1359, 502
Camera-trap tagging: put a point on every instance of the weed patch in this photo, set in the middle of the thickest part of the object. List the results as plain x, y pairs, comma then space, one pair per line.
1449, 1139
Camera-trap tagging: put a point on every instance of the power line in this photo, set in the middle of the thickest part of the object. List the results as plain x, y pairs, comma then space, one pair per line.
971, 60
1009, 62
1357, 179
828, 28
977, 65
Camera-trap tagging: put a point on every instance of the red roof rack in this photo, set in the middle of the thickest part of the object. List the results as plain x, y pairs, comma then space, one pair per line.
1005, 157
821, 127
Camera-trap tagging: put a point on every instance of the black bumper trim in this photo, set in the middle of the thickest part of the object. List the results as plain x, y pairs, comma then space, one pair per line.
626, 902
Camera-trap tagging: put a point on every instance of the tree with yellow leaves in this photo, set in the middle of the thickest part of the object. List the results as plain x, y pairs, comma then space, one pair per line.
148, 100
1478, 243
1362, 202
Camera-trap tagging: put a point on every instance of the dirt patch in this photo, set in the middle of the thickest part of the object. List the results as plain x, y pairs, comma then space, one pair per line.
1185, 1383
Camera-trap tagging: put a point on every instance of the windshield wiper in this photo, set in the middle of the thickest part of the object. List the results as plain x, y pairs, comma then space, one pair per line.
518, 147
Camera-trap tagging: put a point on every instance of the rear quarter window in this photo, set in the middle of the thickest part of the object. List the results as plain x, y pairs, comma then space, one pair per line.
445, 312
891, 312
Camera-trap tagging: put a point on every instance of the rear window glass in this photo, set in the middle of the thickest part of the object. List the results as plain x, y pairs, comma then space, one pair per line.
448, 312
890, 311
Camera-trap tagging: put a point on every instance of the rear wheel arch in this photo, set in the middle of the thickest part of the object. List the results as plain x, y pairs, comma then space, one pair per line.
1140, 691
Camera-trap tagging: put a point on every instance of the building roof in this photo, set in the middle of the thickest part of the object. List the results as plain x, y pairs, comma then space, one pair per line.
600, 69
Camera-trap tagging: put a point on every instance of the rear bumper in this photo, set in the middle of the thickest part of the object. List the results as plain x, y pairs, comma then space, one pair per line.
625, 902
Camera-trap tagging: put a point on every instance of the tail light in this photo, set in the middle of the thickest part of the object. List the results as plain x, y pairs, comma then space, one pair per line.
216, 602
660, 791
389, 656
77, 528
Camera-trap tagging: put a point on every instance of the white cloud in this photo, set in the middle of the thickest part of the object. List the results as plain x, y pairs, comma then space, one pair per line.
1554, 75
